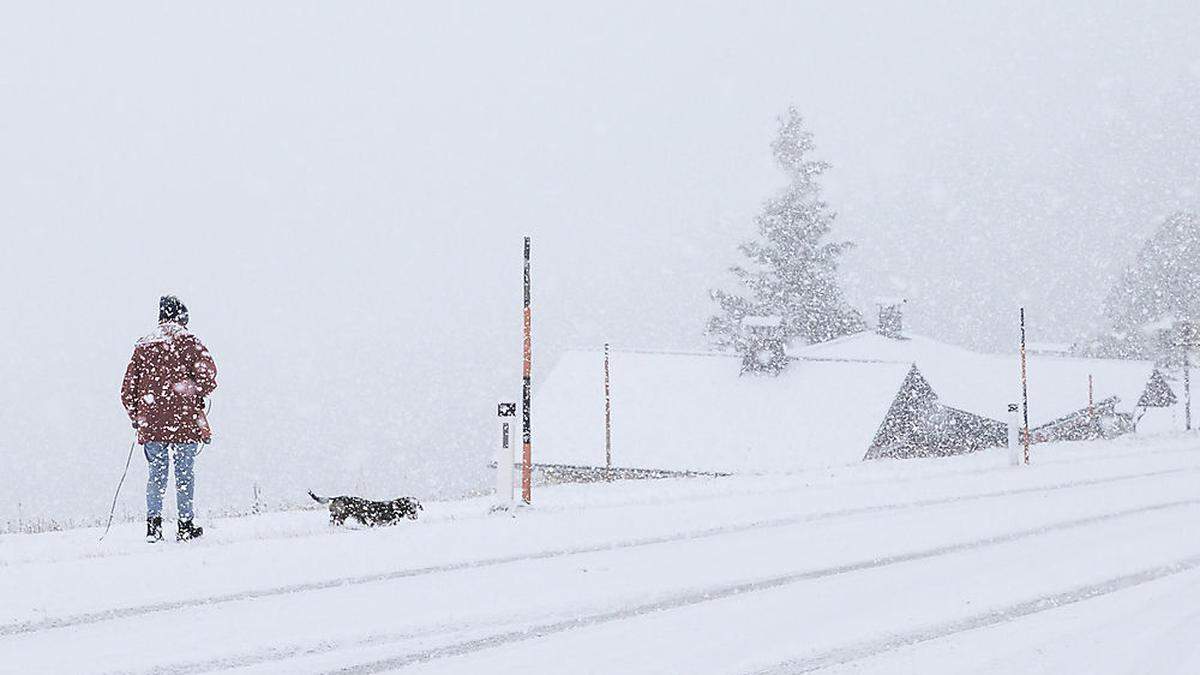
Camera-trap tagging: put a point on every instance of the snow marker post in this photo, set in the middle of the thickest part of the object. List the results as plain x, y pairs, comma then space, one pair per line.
1091, 397
506, 458
1187, 392
1094, 425
607, 418
1024, 386
1187, 338
1014, 435
527, 395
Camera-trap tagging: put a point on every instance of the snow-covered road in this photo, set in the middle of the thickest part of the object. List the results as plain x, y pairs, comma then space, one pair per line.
1087, 561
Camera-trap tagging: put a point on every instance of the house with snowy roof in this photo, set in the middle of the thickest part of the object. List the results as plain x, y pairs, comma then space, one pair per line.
700, 412
1069, 397
883, 394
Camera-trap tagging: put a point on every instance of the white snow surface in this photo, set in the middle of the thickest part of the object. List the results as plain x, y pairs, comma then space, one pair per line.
1088, 560
696, 412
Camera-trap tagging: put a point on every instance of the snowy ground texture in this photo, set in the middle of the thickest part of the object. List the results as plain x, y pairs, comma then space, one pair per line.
1087, 561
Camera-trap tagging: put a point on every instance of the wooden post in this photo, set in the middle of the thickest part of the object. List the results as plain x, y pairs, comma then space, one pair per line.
1024, 387
607, 418
527, 394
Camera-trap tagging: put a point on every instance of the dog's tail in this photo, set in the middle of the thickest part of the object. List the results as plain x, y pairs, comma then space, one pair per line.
319, 500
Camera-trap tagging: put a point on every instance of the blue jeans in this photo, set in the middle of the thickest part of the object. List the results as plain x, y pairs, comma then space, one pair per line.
157, 455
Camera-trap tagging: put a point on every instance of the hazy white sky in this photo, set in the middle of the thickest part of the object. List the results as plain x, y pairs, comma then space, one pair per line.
339, 191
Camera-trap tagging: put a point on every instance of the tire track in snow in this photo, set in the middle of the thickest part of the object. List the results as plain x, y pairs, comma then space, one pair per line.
340, 582
869, 648
701, 596
284, 652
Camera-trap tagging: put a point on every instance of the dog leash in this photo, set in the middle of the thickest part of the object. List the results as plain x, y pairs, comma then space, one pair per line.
124, 473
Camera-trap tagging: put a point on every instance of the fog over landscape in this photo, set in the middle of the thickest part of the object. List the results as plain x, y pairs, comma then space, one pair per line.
339, 193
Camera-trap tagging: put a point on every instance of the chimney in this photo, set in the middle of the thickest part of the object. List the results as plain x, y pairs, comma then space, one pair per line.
763, 350
891, 318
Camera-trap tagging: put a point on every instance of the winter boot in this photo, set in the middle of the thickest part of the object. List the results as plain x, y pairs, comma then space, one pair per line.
188, 531
154, 530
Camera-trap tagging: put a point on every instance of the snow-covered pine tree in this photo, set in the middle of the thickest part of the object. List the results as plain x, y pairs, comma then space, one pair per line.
1157, 393
793, 271
1155, 296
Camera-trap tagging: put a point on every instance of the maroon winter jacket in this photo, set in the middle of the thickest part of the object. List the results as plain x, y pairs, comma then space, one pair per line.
169, 376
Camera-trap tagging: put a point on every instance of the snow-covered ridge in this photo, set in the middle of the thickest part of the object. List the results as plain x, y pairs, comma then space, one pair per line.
658, 568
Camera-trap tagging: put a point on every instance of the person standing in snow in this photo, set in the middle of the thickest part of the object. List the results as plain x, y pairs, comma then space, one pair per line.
168, 378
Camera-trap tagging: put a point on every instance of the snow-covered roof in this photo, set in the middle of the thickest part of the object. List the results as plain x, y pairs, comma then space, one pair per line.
696, 412
763, 321
985, 384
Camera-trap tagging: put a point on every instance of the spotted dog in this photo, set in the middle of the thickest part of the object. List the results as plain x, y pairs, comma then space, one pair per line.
368, 512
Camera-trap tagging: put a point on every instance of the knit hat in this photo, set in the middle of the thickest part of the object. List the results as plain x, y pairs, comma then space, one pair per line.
171, 309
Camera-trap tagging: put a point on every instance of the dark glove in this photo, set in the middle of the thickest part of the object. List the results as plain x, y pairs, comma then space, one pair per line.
135, 425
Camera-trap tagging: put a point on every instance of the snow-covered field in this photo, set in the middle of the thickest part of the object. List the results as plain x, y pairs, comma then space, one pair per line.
1086, 561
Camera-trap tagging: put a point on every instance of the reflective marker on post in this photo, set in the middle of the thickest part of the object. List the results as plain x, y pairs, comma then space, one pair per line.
505, 455
1014, 434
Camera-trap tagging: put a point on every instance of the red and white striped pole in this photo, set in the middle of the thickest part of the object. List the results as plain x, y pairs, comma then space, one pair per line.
1024, 388
527, 394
